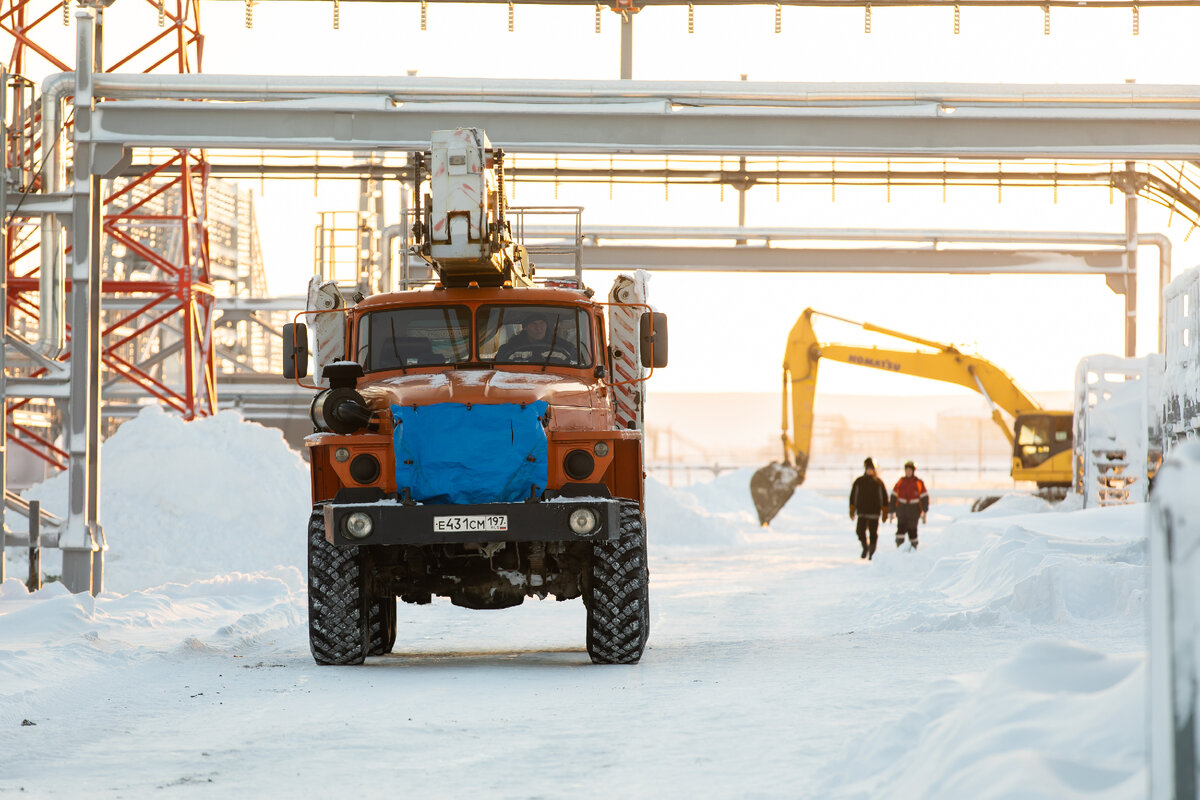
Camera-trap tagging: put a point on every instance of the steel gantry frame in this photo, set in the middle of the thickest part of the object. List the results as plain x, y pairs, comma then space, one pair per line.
396, 114
156, 226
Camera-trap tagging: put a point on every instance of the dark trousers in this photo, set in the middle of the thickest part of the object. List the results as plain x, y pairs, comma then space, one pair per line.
868, 525
907, 518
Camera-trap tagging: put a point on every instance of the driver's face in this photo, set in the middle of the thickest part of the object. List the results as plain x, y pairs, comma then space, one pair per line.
536, 329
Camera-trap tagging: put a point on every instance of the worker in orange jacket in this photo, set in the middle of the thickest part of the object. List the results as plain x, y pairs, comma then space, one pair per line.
910, 502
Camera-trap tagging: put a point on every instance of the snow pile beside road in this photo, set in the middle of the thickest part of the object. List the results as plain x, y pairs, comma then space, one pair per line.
54, 636
182, 501
677, 519
1010, 504
720, 513
1027, 569
1058, 721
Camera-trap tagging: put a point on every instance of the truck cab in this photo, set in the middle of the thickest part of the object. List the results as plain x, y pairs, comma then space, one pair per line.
470, 444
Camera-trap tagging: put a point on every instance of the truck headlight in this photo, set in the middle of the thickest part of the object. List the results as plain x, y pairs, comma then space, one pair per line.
358, 525
600, 449
583, 521
579, 464
341, 455
364, 468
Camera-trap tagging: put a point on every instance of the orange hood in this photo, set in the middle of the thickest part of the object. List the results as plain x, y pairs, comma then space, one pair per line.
481, 386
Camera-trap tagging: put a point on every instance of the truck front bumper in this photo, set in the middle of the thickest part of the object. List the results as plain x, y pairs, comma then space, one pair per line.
546, 521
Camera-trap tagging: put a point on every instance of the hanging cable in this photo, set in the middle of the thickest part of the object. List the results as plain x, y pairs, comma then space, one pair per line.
424, 13
337, 14
778, 17
249, 14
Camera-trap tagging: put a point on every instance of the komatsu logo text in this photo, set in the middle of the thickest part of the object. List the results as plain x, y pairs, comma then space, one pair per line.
877, 363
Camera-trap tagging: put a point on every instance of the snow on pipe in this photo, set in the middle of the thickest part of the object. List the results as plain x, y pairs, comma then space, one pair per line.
249, 87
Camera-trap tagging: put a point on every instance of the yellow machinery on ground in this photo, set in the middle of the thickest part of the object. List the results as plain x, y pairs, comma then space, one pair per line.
1041, 439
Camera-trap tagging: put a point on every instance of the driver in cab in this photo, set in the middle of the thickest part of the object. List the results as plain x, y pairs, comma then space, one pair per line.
532, 336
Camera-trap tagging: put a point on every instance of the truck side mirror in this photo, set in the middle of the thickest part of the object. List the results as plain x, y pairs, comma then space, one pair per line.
295, 350
654, 339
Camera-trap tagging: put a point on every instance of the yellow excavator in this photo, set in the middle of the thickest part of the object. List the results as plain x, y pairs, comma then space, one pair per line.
1042, 440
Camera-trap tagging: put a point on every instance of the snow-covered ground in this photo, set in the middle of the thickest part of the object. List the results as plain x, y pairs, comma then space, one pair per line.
1004, 659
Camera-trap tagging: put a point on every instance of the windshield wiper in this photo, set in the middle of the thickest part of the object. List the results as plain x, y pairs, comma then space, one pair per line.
395, 350
553, 341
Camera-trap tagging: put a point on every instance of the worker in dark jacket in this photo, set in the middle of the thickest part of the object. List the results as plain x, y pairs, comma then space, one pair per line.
869, 500
910, 502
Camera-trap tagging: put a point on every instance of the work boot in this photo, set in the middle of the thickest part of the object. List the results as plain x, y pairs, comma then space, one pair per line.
864, 552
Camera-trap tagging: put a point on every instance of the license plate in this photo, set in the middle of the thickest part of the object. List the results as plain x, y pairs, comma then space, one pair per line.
485, 523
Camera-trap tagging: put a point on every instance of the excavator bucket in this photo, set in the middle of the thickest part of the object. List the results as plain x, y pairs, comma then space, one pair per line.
771, 487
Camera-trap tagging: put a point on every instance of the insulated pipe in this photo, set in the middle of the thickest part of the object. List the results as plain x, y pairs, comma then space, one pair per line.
52, 284
934, 236
1163, 244
390, 233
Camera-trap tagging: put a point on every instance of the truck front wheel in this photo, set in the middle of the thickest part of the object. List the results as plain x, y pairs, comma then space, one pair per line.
618, 608
337, 598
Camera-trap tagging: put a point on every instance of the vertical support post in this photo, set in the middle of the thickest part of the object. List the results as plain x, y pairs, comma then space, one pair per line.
1131, 248
743, 185
81, 537
626, 45
34, 582
405, 228
1172, 680
3, 312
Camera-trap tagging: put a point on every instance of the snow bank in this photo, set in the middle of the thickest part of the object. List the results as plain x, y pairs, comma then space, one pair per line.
182, 501
721, 512
1058, 721
51, 636
1024, 569
678, 519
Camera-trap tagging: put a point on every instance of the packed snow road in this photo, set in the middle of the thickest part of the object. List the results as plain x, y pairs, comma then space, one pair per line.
1005, 658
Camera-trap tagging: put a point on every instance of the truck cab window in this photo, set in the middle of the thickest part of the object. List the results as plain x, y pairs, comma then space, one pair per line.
546, 335
414, 337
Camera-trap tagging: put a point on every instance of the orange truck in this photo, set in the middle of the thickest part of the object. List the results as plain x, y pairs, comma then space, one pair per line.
478, 439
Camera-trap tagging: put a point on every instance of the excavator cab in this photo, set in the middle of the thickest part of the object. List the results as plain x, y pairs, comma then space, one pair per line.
1043, 444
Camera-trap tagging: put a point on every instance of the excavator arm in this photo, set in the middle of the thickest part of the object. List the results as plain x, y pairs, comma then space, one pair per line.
774, 484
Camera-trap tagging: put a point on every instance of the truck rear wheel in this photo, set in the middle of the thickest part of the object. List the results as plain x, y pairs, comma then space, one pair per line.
337, 598
618, 609
382, 617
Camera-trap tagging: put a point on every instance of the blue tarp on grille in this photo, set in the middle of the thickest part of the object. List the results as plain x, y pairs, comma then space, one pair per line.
452, 453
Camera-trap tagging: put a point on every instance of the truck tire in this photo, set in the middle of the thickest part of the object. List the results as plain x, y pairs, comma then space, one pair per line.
618, 609
337, 599
382, 617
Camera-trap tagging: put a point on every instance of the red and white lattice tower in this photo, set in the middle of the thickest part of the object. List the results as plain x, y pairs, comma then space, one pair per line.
155, 224
624, 325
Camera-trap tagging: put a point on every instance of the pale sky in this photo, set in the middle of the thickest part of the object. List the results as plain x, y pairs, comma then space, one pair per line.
728, 331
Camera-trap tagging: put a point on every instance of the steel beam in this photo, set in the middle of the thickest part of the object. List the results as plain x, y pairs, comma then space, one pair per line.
880, 259
723, 118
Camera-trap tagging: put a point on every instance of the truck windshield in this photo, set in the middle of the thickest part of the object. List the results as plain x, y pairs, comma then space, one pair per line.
547, 335
414, 337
